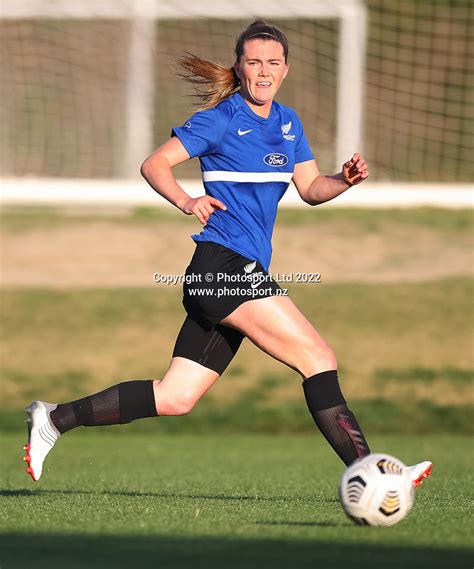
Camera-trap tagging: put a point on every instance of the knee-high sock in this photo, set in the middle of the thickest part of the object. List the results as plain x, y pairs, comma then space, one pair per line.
119, 404
332, 416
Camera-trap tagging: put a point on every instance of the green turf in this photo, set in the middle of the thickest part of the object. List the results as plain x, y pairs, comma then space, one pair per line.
222, 501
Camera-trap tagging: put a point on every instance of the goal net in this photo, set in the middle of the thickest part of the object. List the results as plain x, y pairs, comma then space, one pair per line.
419, 90
88, 89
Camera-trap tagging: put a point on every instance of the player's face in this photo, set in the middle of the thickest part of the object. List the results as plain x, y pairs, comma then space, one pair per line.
261, 71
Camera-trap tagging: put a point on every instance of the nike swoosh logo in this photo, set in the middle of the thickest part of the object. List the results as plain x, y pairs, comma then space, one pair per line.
242, 132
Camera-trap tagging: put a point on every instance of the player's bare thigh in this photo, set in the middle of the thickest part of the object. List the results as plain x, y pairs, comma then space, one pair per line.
183, 384
277, 326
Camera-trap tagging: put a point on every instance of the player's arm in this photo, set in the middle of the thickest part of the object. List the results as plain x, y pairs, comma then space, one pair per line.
156, 170
314, 188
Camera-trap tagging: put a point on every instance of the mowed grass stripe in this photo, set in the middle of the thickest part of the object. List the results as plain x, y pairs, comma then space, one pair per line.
60, 345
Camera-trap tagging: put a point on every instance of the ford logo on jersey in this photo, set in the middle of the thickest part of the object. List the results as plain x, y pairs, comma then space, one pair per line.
276, 160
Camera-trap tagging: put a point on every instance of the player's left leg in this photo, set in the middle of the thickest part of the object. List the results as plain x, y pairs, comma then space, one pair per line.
277, 326
418, 472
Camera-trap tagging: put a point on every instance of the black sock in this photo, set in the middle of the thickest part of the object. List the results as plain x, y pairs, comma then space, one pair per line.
330, 413
119, 404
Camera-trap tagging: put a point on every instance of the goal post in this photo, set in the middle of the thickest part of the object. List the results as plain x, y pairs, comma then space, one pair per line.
143, 16
87, 89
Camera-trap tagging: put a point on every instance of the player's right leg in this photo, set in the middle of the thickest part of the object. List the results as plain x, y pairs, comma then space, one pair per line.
199, 358
184, 383
42, 435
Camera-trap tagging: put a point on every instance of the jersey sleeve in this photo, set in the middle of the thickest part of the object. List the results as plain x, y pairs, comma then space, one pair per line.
303, 151
202, 133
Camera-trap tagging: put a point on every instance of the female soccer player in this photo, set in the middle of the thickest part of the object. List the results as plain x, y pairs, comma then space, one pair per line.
250, 148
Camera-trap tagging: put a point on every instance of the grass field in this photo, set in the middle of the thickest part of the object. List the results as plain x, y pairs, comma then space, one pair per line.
223, 501
78, 300
244, 480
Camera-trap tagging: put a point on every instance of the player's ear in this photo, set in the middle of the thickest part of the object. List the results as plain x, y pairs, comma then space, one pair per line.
236, 69
287, 70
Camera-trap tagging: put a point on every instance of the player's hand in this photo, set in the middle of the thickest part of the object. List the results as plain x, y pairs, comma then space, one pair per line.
202, 207
355, 170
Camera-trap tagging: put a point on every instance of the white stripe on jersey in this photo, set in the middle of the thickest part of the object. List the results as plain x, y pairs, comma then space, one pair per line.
252, 177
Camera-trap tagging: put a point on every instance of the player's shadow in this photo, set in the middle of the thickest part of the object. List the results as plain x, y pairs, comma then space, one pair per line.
22, 492
301, 524
57, 550
215, 497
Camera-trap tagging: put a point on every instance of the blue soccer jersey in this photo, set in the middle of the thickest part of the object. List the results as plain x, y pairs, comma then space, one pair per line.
247, 163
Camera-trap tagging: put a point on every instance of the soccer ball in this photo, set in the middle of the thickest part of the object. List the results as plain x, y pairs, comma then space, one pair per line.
376, 490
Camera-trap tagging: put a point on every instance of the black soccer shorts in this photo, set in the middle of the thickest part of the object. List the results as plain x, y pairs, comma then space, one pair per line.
218, 280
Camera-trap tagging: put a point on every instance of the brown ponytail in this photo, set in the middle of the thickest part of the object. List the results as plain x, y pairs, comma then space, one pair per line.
220, 82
